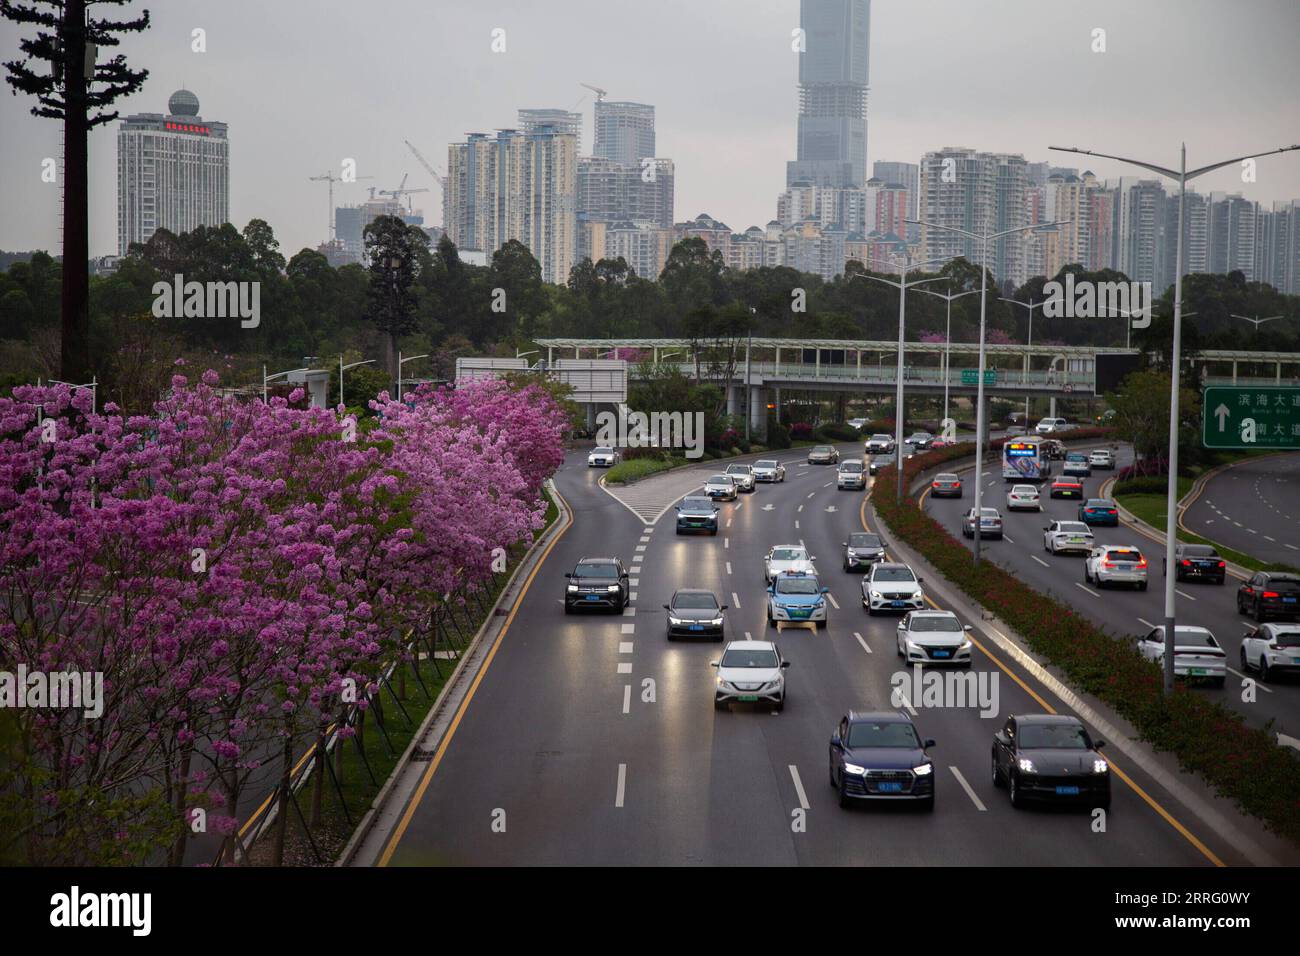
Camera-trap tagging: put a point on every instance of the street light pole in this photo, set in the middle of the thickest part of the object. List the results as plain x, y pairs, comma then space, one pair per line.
749, 392
402, 361
1029, 341
983, 240
947, 338
1182, 174
343, 368
1256, 319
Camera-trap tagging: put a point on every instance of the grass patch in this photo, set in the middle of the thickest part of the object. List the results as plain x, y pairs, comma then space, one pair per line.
637, 468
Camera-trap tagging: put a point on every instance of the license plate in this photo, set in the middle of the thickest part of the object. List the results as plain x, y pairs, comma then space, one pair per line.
891, 786
1196, 671
696, 627
592, 597
1288, 600
1074, 541
943, 653
896, 603
748, 698
1067, 791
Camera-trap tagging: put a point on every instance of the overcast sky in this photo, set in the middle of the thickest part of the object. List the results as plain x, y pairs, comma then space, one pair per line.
304, 83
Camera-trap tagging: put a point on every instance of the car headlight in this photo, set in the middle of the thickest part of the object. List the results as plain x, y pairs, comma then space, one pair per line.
924, 770
571, 588
716, 622
916, 595
1100, 766
612, 587
1027, 765
965, 645
876, 594
675, 620
854, 769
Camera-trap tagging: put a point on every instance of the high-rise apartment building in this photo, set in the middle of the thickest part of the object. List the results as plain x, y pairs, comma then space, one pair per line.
982, 193
515, 185
1230, 227
832, 138
173, 172
625, 132
1141, 231
1277, 247
562, 121
608, 191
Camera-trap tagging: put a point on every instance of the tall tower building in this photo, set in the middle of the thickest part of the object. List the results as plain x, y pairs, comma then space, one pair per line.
173, 172
832, 145
625, 132
563, 121
1140, 232
982, 193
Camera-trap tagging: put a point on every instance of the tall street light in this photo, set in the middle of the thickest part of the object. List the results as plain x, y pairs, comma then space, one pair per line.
1182, 174
947, 337
983, 240
402, 361
902, 285
1029, 340
1258, 321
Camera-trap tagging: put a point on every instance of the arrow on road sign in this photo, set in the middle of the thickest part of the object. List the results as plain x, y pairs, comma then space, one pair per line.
1221, 413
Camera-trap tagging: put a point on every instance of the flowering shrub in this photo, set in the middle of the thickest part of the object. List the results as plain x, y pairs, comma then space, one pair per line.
1241, 762
801, 431
239, 573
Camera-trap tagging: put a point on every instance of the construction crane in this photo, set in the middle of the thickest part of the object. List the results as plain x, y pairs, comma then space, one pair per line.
401, 191
426, 164
600, 94
329, 177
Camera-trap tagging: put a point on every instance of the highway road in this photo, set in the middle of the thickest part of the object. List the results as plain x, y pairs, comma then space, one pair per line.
1253, 508
1121, 610
557, 755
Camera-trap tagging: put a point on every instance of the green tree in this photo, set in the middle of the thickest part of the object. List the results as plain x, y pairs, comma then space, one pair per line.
1142, 416
393, 250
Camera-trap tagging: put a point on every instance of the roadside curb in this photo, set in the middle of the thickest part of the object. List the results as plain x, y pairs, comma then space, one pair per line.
397, 790
1219, 814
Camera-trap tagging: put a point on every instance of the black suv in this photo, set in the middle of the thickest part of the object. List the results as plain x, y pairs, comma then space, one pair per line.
880, 756
1270, 594
1050, 757
597, 583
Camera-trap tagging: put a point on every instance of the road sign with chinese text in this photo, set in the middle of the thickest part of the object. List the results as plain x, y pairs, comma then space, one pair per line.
1250, 416
971, 376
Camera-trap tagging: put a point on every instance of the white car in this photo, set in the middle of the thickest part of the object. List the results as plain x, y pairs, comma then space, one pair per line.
933, 637
602, 457
990, 523
1024, 498
1049, 426
721, 486
1101, 458
1076, 465
1271, 649
750, 671
769, 469
850, 475
787, 557
744, 475
857, 423
1196, 652
892, 587
1116, 564
880, 444
1062, 536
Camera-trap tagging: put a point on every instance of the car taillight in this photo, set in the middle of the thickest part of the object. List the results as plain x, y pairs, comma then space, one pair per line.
1111, 511
1142, 563
1269, 594
934, 484
1222, 565
1187, 563
1108, 563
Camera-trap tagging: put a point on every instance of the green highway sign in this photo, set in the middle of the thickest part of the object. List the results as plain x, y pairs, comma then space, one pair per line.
971, 376
1250, 416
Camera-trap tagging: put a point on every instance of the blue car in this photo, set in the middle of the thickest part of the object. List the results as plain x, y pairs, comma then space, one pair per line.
1099, 511
796, 596
880, 756
697, 514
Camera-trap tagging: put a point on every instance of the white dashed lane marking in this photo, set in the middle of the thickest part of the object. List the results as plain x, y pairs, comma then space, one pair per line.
622, 785
798, 787
1040, 560
864, 644
969, 792
834, 603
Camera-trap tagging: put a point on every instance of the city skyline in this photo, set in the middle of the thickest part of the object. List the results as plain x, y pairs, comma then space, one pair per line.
730, 132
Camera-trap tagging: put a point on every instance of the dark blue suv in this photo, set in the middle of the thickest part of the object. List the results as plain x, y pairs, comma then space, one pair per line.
880, 756
697, 513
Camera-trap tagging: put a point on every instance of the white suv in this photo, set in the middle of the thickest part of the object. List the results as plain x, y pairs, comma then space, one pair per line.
933, 637
1271, 649
892, 587
1048, 426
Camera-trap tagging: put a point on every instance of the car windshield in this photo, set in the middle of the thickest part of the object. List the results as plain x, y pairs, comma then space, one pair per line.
697, 504
720, 480
1024, 490
851, 466
985, 512
1284, 579
1199, 551
822, 450
750, 657
884, 438
697, 600
1075, 456
1100, 503
888, 734
796, 585
737, 469
601, 450
1073, 527
1290, 638
893, 574
789, 554
1186, 637
1053, 737
863, 540
597, 571
764, 464
927, 623
946, 476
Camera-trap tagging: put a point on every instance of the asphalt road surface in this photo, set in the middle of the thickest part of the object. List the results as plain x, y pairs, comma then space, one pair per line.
1122, 610
559, 757
1253, 508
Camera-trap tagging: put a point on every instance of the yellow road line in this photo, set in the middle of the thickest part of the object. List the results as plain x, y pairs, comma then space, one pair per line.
1133, 785
400, 829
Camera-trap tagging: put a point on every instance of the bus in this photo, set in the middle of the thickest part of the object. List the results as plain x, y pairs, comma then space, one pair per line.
1025, 459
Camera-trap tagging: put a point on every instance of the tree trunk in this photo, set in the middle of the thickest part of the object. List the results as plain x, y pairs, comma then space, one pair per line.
74, 364
282, 817
182, 788
318, 790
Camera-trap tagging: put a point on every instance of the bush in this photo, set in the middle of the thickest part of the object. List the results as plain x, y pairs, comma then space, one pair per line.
637, 468
1240, 762
840, 431
778, 436
801, 431
1151, 485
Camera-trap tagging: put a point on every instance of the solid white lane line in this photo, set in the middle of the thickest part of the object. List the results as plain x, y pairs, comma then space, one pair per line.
622, 784
628, 628
625, 667
798, 787
728, 567
625, 647
969, 792
1089, 590
1040, 560
834, 603
1184, 594
627, 698
735, 598
864, 644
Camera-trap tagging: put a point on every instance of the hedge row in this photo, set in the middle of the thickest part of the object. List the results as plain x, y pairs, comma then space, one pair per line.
1240, 762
